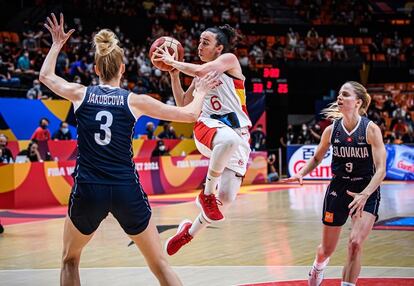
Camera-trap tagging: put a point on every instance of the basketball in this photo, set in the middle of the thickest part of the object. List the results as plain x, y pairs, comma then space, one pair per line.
174, 46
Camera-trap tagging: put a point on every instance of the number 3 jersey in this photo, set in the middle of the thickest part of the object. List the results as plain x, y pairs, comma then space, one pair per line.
351, 154
105, 130
229, 97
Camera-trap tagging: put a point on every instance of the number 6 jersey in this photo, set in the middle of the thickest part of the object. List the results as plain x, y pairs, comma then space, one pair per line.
351, 154
228, 97
105, 128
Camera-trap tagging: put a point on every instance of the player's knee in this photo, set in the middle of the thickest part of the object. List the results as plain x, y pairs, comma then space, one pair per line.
355, 244
70, 257
159, 266
227, 198
70, 261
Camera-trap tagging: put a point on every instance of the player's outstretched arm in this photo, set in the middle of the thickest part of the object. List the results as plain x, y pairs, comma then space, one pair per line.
71, 91
142, 104
315, 160
181, 97
223, 63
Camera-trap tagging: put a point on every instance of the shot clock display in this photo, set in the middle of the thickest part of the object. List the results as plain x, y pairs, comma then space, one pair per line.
270, 80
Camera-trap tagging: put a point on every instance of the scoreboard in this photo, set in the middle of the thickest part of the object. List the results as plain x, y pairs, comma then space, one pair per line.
270, 80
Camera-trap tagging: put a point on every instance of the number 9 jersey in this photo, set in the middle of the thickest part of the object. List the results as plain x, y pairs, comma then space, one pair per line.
351, 153
105, 126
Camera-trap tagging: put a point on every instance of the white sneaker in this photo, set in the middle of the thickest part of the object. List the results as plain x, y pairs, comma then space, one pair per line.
315, 277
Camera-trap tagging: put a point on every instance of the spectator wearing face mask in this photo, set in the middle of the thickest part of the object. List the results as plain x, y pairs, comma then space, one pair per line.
36, 92
6, 155
160, 150
42, 132
304, 136
258, 139
63, 132
23, 63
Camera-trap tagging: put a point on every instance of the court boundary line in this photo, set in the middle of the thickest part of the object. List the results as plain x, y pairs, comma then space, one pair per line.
213, 266
327, 278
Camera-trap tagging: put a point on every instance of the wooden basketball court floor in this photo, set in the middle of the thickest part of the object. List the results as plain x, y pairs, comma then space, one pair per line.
270, 234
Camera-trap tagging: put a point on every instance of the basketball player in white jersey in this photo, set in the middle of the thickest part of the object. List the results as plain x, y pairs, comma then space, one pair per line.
221, 132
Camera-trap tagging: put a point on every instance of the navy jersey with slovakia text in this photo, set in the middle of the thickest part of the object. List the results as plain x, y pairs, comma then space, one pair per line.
351, 154
105, 129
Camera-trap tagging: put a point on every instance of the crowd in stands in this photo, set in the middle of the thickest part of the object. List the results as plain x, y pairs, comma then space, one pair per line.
22, 54
31, 153
311, 47
20, 63
328, 12
208, 11
392, 109
306, 133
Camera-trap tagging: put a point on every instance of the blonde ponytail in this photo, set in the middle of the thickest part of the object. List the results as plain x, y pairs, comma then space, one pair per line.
332, 111
108, 55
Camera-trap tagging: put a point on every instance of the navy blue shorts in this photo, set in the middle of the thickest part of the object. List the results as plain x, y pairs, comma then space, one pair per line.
89, 204
335, 206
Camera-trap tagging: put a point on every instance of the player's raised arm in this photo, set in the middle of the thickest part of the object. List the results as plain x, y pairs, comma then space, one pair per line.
214, 50
223, 63
146, 105
181, 97
316, 159
71, 91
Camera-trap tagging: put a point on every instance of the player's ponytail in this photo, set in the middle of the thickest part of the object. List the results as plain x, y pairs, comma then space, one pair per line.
332, 111
108, 55
225, 36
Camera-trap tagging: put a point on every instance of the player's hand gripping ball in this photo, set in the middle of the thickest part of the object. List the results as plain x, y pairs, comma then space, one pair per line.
167, 44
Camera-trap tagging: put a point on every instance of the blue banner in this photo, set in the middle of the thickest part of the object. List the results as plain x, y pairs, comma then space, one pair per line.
400, 162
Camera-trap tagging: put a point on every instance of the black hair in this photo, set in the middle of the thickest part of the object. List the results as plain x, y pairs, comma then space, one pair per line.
31, 144
43, 118
225, 36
